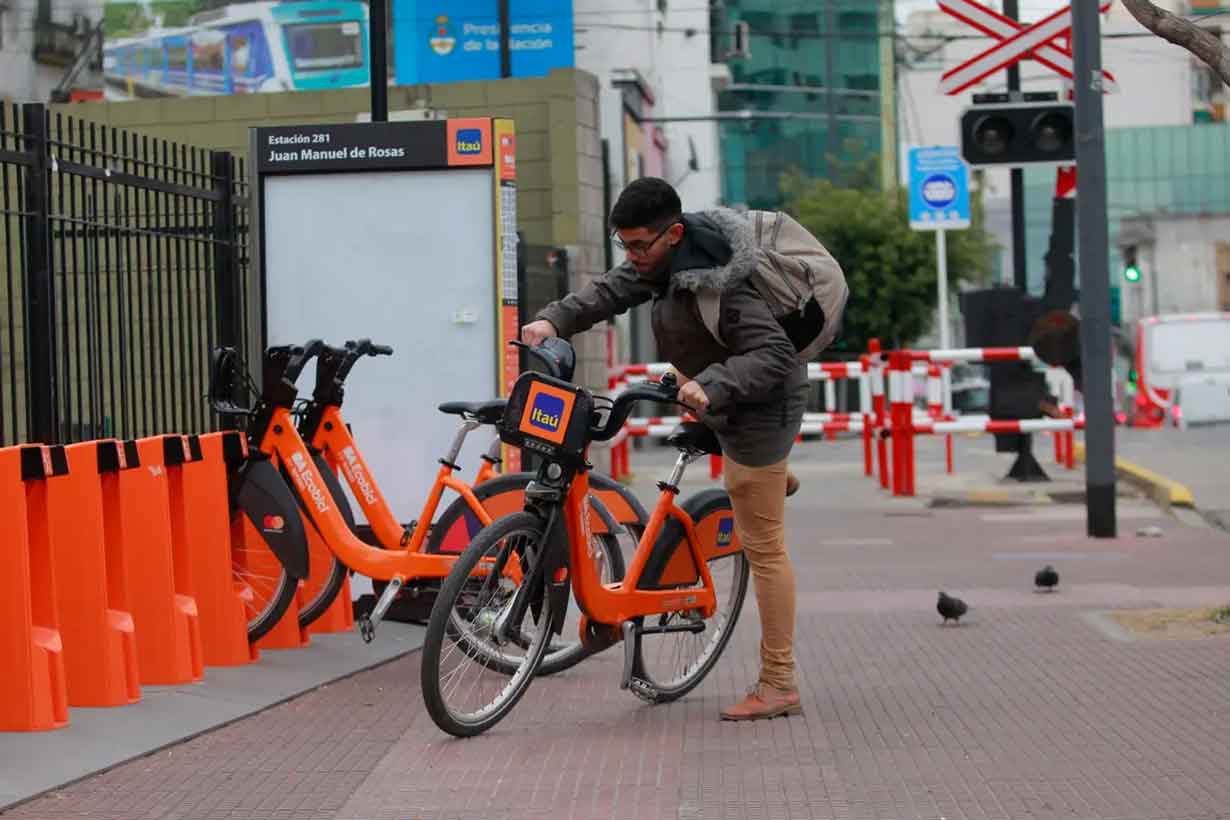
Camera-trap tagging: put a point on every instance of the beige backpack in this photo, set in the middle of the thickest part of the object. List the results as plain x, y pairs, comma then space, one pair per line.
798, 278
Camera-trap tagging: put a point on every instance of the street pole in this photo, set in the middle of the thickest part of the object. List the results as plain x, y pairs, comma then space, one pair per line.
1095, 273
941, 286
1017, 187
505, 51
1016, 191
378, 24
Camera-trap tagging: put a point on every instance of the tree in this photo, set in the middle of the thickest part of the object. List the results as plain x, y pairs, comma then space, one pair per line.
1182, 32
889, 268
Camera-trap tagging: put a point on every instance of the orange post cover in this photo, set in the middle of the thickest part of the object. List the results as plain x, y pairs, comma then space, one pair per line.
33, 690
159, 577
199, 488
100, 649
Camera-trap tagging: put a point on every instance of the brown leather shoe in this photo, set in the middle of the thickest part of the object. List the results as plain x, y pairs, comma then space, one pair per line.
792, 484
763, 702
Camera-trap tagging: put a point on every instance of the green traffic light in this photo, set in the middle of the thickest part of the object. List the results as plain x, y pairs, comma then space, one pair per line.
1131, 273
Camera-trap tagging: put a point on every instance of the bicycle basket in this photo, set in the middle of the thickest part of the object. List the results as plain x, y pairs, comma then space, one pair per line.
548, 416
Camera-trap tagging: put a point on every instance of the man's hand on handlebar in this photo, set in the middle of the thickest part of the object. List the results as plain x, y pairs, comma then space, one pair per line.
692, 396
535, 332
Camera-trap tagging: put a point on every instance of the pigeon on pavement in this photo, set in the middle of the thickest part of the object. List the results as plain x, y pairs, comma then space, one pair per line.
950, 607
1046, 578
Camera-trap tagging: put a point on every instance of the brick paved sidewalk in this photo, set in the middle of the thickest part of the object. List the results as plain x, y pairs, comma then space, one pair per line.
1030, 709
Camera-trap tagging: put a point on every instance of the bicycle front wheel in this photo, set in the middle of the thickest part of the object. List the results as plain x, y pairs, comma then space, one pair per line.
465, 673
258, 576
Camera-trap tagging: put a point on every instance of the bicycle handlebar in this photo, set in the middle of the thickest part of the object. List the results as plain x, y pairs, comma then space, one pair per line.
666, 390
299, 357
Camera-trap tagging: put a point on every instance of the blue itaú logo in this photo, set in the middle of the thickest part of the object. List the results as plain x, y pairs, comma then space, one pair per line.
547, 412
726, 528
469, 141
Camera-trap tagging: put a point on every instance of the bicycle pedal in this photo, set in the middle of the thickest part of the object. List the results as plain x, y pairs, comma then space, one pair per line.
644, 690
367, 629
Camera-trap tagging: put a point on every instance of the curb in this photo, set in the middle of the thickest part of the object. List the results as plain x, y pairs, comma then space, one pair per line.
1165, 492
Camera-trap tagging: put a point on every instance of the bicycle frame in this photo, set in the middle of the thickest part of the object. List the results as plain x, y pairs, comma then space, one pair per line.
333, 439
615, 603
287, 449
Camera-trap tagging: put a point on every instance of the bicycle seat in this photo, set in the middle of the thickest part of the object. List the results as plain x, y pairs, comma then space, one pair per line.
484, 412
694, 437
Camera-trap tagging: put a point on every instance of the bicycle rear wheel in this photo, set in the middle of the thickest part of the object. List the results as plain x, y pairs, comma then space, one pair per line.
674, 663
466, 685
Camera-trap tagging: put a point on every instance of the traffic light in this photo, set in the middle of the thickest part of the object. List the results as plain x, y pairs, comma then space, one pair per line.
1131, 270
1027, 132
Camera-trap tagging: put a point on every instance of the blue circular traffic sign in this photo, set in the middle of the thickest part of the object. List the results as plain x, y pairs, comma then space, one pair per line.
939, 190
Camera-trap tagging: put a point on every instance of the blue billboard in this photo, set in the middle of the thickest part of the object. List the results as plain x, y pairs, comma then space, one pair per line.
440, 41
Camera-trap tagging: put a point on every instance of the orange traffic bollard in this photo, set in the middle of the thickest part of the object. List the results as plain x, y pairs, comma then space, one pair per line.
33, 691
200, 485
100, 648
159, 575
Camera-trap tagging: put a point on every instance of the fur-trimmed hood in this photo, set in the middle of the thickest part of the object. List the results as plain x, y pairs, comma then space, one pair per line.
718, 251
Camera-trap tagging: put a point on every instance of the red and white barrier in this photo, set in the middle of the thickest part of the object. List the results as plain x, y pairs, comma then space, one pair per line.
890, 417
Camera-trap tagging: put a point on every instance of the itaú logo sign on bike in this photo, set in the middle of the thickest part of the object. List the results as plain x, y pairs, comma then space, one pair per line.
302, 472
356, 475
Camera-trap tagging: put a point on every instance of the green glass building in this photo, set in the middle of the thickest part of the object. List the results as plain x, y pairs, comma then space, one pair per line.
817, 60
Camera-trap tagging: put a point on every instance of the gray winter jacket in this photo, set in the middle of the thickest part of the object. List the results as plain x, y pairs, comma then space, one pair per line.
755, 384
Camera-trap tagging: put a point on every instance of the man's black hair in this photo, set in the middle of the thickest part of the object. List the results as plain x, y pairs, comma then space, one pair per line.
648, 202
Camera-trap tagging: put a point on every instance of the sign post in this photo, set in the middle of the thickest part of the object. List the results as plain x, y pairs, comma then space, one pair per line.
939, 201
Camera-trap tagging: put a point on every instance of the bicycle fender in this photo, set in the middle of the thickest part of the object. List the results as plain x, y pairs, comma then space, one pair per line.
261, 493
554, 558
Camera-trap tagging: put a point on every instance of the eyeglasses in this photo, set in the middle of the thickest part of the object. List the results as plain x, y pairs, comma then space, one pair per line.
639, 247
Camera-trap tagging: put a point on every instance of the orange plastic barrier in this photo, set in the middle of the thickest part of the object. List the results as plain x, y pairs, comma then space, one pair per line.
33, 691
87, 549
159, 572
200, 487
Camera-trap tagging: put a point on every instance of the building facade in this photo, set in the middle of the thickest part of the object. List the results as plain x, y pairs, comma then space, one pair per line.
804, 93
48, 47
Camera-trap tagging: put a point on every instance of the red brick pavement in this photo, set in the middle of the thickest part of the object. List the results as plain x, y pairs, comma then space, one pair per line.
1026, 710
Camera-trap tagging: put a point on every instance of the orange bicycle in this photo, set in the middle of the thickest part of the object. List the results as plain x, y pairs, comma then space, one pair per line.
667, 609
280, 451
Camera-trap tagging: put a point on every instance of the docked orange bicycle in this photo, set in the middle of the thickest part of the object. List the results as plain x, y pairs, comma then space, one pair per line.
336, 452
674, 610
283, 466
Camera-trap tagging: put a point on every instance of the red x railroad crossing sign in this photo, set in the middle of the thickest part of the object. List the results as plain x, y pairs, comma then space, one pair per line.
1044, 42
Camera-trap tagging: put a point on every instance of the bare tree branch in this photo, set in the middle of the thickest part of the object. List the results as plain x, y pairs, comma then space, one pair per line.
1204, 44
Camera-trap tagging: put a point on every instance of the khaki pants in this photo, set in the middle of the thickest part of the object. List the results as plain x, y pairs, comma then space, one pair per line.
758, 495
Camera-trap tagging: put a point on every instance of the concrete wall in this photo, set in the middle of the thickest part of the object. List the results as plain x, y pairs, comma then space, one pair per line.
1178, 262
559, 153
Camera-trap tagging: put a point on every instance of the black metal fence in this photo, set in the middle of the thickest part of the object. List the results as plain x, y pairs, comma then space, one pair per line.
123, 262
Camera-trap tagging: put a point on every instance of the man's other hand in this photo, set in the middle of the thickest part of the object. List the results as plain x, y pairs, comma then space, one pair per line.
693, 395
535, 332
